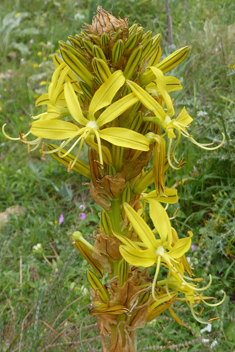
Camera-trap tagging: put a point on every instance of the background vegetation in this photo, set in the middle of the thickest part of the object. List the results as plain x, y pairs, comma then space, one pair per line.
43, 295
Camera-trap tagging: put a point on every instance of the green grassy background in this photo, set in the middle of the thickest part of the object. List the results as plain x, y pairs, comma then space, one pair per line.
42, 305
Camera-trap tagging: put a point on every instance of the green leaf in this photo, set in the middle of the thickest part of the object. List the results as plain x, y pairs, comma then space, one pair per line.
229, 332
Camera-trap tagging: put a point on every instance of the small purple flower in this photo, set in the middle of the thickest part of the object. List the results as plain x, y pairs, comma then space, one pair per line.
82, 207
31, 41
82, 216
61, 219
39, 219
193, 246
0, 96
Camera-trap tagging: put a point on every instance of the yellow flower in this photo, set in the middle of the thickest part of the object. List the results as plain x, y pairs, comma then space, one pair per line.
91, 126
161, 250
39, 53
181, 124
163, 119
190, 292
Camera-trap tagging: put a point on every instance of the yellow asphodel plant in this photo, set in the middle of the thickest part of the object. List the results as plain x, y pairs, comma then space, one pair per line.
109, 91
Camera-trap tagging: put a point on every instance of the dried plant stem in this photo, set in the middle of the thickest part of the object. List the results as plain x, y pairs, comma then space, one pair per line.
168, 25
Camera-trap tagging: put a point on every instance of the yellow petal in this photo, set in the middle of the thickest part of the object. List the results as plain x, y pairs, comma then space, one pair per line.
105, 94
54, 112
172, 84
56, 89
175, 316
147, 100
140, 227
116, 109
180, 247
160, 220
162, 298
70, 76
161, 86
138, 257
170, 196
123, 137
159, 310
73, 104
54, 129
184, 118
54, 79
126, 241
43, 99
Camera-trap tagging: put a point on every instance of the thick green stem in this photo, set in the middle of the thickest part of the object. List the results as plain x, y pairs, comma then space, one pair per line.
116, 214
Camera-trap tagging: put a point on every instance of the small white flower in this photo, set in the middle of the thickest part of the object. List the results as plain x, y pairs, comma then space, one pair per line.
201, 113
207, 328
78, 16
37, 248
205, 340
84, 290
214, 343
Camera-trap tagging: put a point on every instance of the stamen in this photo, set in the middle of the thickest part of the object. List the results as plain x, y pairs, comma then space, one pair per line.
42, 147
78, 153
155, 277
99, 145
194, 287
169, 155
11, 138
204, 146
69, 166
214, 304
194, 315
63, 144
